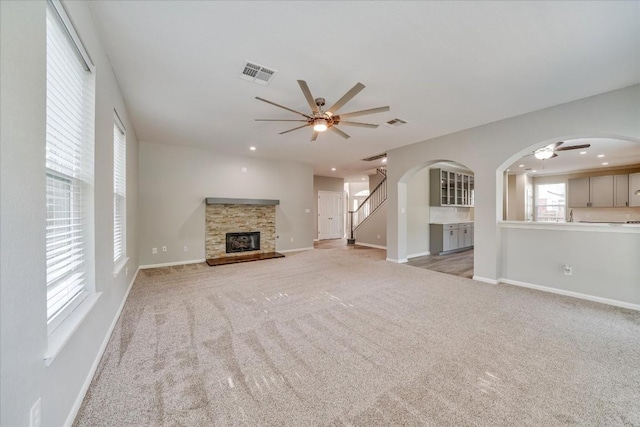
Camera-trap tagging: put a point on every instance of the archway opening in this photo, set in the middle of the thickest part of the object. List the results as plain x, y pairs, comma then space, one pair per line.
438, 217
572, 180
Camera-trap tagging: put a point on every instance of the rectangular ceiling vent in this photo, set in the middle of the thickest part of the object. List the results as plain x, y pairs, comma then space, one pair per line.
395, 123
376, 157
257, 73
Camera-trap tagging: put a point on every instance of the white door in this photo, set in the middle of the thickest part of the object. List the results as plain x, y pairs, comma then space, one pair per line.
329, 215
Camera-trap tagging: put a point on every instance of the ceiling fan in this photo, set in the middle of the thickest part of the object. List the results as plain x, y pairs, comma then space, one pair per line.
323, 120
549, 151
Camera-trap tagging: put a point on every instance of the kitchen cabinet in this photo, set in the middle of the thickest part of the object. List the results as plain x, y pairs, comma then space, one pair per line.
634, 188
620, 191
579, 192
465, 235
445, 238
599, 191
449, 188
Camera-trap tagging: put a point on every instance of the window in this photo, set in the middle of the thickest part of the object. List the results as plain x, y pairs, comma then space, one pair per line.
69, 167
550, 202
119, 192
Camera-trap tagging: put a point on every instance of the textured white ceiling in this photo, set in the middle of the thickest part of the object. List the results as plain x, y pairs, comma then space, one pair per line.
441, 66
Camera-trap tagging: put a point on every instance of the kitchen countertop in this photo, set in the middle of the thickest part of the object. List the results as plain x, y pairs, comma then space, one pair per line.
451, 222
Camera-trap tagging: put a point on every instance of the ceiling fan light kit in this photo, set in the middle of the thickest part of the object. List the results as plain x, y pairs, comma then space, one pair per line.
320, 125
325, 120
544, 154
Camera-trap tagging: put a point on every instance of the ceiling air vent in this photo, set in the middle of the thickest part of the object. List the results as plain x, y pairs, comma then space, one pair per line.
395, 123
379, 156
257, 73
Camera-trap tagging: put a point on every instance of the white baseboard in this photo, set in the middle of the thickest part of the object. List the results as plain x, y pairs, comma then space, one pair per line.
286, 251
170, 264
370, 245
418, 254
398, 261
485, 280
573, 294
85, 387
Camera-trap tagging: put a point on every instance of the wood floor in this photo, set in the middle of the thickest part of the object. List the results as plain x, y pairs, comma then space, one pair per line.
457, 264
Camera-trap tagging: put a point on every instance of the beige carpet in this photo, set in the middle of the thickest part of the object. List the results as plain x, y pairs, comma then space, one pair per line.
337, 337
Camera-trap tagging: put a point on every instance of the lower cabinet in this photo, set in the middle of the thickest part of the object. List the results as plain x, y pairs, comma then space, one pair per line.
445, 238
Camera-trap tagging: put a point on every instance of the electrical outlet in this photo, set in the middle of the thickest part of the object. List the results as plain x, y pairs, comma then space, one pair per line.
164, 249
292, 239
568, 270
186, 248
378, 236
35, 415
154, 251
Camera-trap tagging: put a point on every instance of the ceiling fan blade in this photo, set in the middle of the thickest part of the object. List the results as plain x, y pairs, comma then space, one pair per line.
308, 96
282, 106
339, 132
573, 147
314, 135
554, 145
362, 125
365, 112
291, 130
346, 98
278, 120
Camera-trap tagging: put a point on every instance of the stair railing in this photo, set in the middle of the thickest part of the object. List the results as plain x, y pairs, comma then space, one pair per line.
377, 197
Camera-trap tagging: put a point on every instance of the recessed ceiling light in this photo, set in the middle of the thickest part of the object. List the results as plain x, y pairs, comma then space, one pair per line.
534, 171
583, 152
605, 163
252, 148
333, 169
507, 170
520, 166
363, 179
600, 155
384, 160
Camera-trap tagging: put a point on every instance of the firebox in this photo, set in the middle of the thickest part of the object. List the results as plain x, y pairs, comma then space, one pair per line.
242, 242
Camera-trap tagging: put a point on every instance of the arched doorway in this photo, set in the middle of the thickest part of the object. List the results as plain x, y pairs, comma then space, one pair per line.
438, 217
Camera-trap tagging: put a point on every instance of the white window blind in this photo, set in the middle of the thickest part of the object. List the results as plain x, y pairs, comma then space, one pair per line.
119, 191
69, 168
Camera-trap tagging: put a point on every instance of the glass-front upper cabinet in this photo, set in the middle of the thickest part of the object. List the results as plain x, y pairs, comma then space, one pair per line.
450, 188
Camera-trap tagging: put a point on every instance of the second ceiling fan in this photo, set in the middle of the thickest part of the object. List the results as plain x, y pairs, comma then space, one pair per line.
549, 151
328, 119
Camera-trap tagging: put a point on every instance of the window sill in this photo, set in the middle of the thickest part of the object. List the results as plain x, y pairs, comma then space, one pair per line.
119, 266
61, 335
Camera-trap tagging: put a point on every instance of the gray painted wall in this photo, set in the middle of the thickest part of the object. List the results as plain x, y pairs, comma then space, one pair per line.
605, 264
23, 331
418, 213
373, 230
175, 180
491, 148
326, 183
374, 180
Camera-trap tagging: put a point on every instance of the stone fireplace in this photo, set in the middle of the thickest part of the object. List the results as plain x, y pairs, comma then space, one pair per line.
239, 227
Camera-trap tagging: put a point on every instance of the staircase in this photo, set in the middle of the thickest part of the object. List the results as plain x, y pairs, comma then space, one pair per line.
377, 197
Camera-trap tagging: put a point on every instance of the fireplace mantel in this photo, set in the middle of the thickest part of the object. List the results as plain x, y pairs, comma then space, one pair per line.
226, 201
